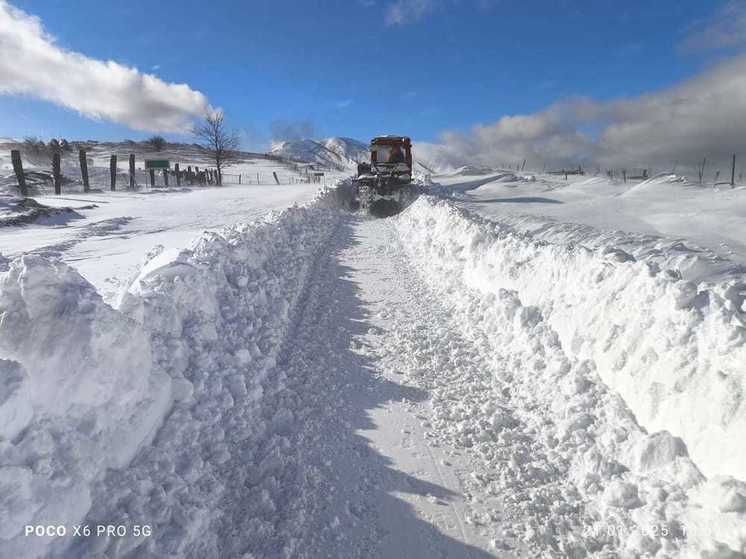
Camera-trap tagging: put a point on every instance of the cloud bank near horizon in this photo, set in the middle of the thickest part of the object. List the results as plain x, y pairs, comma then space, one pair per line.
32, 64
704, 116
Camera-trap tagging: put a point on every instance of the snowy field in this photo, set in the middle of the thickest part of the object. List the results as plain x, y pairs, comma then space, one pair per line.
105, 235
514, 366
701, 222
107, 243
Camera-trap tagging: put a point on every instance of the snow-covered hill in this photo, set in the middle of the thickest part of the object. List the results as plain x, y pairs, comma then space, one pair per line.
336, 153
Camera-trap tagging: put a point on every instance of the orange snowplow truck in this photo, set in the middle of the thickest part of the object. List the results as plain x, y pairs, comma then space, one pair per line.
381, 183
390, 164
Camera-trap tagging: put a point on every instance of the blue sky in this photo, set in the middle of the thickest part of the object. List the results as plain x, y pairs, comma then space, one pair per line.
347, 68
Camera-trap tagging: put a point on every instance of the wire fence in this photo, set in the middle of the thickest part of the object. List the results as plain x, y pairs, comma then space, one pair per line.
84, 175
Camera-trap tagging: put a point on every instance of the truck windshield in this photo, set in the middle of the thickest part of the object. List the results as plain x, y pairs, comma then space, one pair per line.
389, 154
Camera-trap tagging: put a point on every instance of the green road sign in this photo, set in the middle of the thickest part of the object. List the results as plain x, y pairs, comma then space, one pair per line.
157, 164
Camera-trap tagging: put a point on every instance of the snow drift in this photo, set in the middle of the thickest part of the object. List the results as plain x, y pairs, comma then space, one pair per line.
84, 386
673, 349
556, 318
79, 393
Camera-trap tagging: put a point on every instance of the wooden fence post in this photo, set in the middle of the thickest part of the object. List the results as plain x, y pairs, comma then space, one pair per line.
56, 173
239, 178
152, 178
178, 174
113, 171
624, 174
15, 156
275, 175
257, 178
165, 177
196, 172
733, 172
84, 170
132, 171
190, 177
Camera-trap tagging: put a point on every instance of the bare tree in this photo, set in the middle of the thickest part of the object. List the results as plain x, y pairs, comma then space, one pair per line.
156, 143
222, 144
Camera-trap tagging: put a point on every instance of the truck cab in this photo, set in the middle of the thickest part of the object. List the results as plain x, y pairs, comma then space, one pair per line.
390, 164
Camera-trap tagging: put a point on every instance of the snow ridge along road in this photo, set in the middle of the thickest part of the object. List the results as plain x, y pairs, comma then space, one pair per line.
339, 386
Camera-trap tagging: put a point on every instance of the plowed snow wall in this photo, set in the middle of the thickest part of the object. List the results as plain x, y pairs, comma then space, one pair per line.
674, 350
83, 385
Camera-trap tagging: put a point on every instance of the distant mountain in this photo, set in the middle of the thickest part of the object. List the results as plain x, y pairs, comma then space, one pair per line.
338, 153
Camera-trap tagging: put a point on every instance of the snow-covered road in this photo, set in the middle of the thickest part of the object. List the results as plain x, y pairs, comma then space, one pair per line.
390, 427
341, 459
325, 384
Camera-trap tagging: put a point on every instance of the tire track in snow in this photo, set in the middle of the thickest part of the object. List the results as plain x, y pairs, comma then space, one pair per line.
571, 459
314, 485
502, 462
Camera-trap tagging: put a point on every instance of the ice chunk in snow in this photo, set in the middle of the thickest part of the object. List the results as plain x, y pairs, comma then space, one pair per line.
244, 356
622, 494
658, 449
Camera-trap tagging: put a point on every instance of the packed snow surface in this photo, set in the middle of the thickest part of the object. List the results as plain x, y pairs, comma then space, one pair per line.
317, 383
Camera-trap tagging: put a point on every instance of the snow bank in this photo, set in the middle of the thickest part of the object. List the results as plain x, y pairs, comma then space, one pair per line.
673, 349
562, 315
79, 394
472, 170
657, 180
84, 386
218, 315
22, 211
677, 255
512, 177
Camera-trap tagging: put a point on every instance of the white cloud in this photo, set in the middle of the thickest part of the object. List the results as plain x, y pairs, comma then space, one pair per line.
702, 116
32, 64
343, 103
727, 28
403, 12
